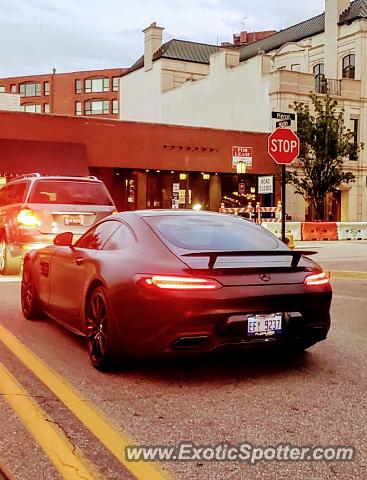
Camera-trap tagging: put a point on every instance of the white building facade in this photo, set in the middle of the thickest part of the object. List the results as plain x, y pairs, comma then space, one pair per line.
184, 83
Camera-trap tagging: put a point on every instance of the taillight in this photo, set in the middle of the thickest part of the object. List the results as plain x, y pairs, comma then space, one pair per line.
27, 218
178, 283
317, 279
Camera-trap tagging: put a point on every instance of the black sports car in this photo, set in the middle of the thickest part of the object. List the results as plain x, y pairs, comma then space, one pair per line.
157, 282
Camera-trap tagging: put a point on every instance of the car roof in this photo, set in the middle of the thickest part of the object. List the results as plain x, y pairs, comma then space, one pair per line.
54, 178
167, 212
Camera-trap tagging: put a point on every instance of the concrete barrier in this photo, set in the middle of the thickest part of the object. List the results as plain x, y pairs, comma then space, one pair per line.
352, 231
293, 228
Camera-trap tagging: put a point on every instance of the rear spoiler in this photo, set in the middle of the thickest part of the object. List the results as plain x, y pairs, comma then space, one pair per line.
213, 256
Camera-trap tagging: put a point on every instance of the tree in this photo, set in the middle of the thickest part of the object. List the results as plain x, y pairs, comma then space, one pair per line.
325, 144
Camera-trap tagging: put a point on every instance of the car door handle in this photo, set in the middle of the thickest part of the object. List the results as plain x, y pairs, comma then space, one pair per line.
78, 261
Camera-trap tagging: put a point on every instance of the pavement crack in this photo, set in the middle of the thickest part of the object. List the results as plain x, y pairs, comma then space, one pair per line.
73, 468
61, 428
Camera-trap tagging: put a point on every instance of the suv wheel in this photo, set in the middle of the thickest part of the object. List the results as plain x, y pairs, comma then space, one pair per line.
9, 265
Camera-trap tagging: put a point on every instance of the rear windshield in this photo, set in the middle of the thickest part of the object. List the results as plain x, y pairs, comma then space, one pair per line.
69, 193
211, 232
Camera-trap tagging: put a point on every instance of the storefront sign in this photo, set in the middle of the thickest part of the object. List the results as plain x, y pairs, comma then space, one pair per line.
242, 155
265, 185
175, 195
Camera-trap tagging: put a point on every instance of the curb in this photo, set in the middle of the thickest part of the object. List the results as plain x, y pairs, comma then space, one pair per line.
4, 472
352, 275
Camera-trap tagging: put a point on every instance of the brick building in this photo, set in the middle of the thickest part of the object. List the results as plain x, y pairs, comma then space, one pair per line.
92, 92
140, 163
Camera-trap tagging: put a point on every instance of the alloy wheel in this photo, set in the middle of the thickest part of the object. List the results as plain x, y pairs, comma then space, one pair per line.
96, 326
26, 290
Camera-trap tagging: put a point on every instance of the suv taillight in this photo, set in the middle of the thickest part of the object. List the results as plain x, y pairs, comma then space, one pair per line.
27, 218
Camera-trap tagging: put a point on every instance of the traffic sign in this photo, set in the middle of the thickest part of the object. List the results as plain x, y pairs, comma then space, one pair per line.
283, 146
265, 184
283, 116
283, 123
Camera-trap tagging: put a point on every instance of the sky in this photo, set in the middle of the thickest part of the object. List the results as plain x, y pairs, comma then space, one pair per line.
71, 35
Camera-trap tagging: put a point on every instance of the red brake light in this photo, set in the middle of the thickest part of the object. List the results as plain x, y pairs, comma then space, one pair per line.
317, 279
165, 282
27, 218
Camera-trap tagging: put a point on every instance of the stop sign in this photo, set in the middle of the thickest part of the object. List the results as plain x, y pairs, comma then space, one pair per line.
283, 146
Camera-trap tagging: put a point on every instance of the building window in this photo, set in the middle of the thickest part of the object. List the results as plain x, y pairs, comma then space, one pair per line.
2, 89
78, 108
296, 67
355, 130
30, 89
97, 107
78, 86
115, 84
46, 88
115, 106
46, 108
32, 107
349, 66
320, 81
13, 88
94, 85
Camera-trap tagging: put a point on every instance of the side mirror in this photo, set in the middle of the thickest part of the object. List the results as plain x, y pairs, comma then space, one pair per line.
64, 239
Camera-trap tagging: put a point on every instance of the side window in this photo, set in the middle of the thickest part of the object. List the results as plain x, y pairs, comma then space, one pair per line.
18, 192
13, 193
98, 236
122, 238
3, 195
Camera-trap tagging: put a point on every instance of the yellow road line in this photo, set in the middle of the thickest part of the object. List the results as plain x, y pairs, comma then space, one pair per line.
88, 414
348, 275
68, 460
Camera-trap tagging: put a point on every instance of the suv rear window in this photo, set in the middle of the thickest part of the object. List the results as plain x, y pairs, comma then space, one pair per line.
211, 232
69, 193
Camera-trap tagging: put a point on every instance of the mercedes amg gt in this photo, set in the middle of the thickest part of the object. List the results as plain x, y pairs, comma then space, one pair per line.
155, 282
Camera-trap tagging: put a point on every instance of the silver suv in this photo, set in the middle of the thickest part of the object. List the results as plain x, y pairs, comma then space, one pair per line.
35, 208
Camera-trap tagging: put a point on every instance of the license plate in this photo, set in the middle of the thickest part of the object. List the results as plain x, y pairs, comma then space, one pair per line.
264, 325
75, 220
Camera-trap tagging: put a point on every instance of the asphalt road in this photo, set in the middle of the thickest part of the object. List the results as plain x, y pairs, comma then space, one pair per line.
312, 399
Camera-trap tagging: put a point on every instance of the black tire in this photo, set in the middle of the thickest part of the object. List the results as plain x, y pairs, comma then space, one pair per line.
99, 330
9, 265
31, 306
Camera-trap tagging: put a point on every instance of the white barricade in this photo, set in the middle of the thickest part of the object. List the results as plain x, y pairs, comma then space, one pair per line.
352, 230
290, 227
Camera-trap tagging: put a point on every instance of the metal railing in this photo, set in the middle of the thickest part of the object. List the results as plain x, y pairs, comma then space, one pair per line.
330, 86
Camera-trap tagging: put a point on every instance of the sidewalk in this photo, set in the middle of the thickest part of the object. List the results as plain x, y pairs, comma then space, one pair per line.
341, 255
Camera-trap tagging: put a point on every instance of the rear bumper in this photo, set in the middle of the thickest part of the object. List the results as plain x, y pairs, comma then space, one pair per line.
31, 240
178, 323
26, 243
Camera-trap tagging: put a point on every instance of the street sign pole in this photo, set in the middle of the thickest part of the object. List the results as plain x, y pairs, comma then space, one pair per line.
283, 147
283, 201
